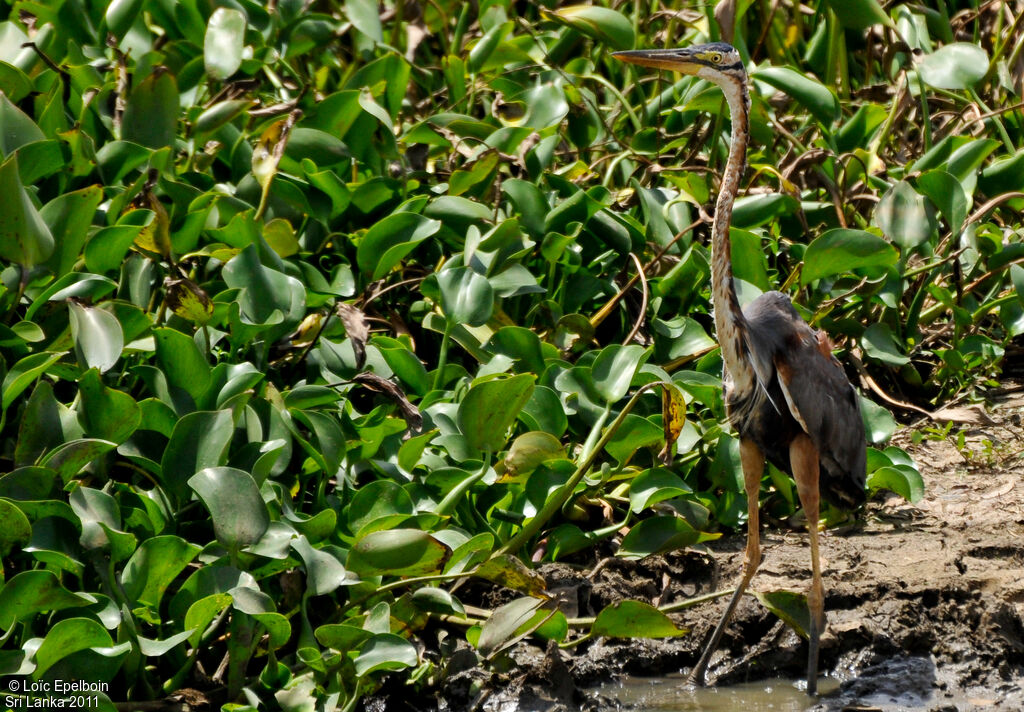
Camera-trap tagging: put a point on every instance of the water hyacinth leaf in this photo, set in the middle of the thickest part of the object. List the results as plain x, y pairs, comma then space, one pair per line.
635, 619
385, 651
199, 440
365, 17
341, 637
154, 565
602, 24
812, 94
530, 450
614, 368
859, 14
31, 592
878, 422
181, 362
151, 113
97, 336
324, 572
67, 637
202, 612
19, 129
386, 243
841, 250
222, 45
653, 486
489, 409
25, 238
660, 534
503, 623
375, 500
15, 529
904, 217
880, 344
40, 429
634, 433
69, 217
239, 514
69, 458
120, 16
947, 194
510, 572
437, 600
903, 480
397, 552
790, 607
955, 66
466, 297
106, 413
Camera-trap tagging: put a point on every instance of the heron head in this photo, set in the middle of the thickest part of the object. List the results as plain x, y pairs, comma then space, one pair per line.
716, 61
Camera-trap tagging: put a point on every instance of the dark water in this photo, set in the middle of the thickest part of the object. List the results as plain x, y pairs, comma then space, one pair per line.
671, 694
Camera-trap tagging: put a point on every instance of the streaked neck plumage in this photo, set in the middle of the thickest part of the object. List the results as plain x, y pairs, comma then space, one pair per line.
730, 326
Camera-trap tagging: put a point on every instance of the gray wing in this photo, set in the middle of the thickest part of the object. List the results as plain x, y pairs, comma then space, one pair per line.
826, 405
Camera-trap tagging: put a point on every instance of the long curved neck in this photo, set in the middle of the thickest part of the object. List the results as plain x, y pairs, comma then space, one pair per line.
730, 326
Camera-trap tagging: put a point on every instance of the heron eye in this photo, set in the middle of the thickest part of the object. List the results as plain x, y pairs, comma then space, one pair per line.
715, 57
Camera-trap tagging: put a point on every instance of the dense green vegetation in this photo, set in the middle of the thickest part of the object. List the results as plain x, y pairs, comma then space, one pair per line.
313, 310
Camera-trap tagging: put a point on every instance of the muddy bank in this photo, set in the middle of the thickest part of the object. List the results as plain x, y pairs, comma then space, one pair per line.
925, 602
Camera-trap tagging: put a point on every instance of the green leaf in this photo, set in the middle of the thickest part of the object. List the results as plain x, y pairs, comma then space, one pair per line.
859, 14
69, 217
812, 94
222, 45
510, 572
947, 194
341, 637
40, 429
154, 566
955, 66
15, 529
503, 625
32, 592
653, 486
904, 217
635, 619
389, 240
466, 297
238, 511
879, 343
18, 129
841, 250
660, 534
365, 17
614, 368
324, 572
181, 362
67, 637
598, 23
790, 607
199, 440
901, 479
397, 552
120, 16
385, 651
69, 459
106, 413
489, 409
530, 450
878, 421
25, 239
380, 499
634, 433
98, 337
151, 112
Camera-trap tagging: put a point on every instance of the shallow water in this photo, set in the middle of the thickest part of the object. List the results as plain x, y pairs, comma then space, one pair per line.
672, 694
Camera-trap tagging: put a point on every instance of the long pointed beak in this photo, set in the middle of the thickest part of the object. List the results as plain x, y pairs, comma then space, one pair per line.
676, 60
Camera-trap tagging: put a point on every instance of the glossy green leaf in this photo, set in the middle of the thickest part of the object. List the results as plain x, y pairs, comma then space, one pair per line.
181, 362
813, 95
106, 413
789, 606
510, 572
614, 368
489, 409
503, 623
121, 14
386, 243
15, 529
19, 128
365, 16
67, 637
68, 217
599, 23
655, 485
397, 552
341, 637
376, 500
35, 591
324, 571
904, 481
530, 450
466, 297
657, 535
840, 250
955, 66
154, 566
151, 112
879, 343
69, 458
859, 14
904, 217
199, 440
947, 194
222, 46
231, 496
25, 238
97, 335
635, 619
385, 651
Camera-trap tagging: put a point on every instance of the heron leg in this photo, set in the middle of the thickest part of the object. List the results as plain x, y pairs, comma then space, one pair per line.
752, 460
803, 458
